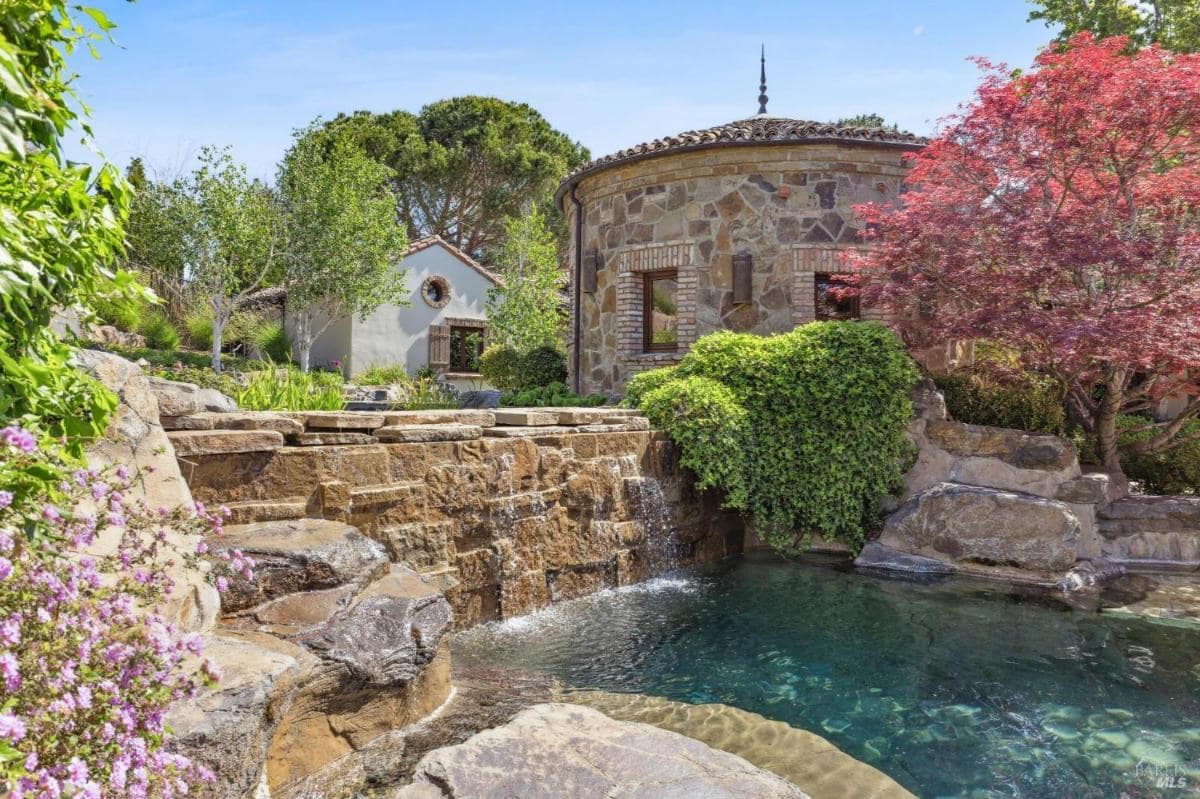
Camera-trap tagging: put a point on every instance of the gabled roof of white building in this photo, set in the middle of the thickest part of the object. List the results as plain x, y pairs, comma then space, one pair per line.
430, 241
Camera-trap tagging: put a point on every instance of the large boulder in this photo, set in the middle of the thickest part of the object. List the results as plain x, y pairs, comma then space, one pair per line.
559, 751
230, 728
136, 440
295, 555
184, 399
378, 664
979, 530
1152, 530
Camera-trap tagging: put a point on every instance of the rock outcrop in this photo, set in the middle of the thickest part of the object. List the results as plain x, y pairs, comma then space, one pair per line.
989, 501
1152, 531
979, 530
136, 439
559, 751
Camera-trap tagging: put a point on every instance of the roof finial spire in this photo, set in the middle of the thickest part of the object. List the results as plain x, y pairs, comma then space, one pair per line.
762, 82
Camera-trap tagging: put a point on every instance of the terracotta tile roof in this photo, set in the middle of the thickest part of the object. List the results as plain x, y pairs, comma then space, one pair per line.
755, 130
429, 241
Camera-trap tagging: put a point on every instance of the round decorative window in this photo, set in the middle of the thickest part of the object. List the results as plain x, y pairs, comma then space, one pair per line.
436, 291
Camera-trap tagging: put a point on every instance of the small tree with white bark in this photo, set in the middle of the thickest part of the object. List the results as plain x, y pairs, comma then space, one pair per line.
344, 241
232, 232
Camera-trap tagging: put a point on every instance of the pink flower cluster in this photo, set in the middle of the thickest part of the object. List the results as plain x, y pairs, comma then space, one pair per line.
88, 662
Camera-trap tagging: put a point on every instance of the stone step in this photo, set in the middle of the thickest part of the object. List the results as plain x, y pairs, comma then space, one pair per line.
242, 420
342, 420
517, 417
475, 417
387, 493
424, 433
267, 510
330, 438
188, 443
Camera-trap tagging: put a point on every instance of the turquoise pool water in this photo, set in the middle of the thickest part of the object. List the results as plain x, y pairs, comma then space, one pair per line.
953, 689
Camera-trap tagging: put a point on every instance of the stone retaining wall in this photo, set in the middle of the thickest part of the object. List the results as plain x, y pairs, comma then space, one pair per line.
508, 510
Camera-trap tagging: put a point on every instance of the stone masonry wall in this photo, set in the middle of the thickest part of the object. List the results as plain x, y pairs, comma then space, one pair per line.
510, 511
789, 206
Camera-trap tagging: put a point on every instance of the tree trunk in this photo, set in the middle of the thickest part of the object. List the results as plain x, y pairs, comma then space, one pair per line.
1106, 421
305, 349
218, 330
304, 339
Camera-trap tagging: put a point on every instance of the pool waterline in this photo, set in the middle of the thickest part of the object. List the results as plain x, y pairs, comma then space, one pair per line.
952, 688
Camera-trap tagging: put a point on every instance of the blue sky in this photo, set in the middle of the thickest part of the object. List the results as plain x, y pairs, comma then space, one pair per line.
185, 73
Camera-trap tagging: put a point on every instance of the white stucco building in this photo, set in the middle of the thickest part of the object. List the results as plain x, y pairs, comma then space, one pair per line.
441, 327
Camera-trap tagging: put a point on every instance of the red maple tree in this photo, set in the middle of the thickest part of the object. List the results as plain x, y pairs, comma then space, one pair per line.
1058, 214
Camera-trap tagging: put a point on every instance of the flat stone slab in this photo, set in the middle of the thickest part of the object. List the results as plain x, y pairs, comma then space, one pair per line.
298, 555
514, 417
200, 421
342, 420
422, 433
251, 420
475, 417
189, 443
330, 438
530, 432
559, 751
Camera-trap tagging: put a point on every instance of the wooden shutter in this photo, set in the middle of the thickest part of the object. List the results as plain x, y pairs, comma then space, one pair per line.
591, 265
743, 278
439, 346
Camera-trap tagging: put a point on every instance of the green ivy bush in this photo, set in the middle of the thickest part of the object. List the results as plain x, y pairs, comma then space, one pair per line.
802, 430
555, 395
644, 382
1023, 401
712, 429
500, 366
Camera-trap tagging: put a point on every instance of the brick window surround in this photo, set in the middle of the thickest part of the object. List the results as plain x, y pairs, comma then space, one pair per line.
632, 265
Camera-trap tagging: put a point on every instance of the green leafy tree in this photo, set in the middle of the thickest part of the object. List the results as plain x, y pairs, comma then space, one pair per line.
1174, 24
60, 222
343, 238
867, 121
526, 311
156, 236
232, 231
465, 164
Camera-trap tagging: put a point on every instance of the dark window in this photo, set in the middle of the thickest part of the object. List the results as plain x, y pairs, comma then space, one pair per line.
466, 345
660, 312
835, 298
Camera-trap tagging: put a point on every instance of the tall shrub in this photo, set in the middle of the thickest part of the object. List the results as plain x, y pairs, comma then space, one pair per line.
803, 430
526, 312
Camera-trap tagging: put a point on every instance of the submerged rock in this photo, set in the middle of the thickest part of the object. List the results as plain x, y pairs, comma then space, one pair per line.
559, 751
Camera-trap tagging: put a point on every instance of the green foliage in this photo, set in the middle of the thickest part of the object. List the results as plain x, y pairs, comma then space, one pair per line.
541, 366
61, 221
1175, 470
155, 326
122, 313
166, 359
198, 325
1174, 24
343, 238
225, 381
555, 395
427, 393
231, 236
867, 121
1023, 401
285, 389
644, 382
526, 311
803, 430
383, 376
500, 366
712, 429
464, 165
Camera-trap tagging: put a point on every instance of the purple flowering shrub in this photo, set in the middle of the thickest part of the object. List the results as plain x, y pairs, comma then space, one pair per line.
88, 661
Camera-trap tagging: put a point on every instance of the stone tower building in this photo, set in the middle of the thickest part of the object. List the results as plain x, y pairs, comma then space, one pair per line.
733, 227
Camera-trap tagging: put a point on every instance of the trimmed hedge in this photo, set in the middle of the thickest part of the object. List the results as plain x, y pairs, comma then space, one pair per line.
803, 430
